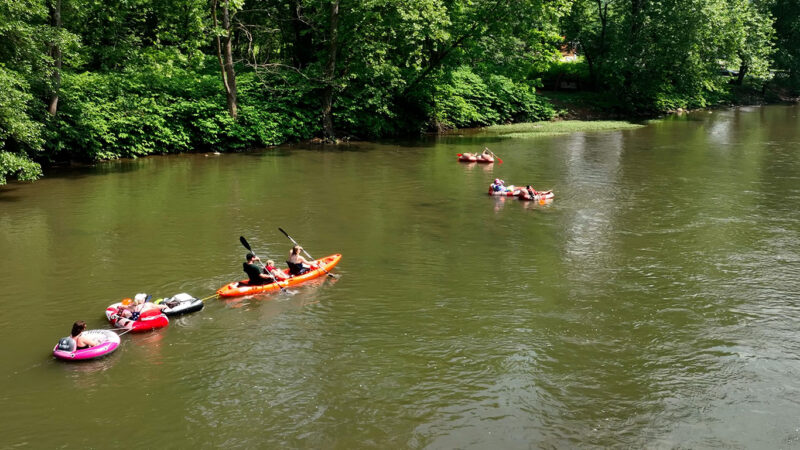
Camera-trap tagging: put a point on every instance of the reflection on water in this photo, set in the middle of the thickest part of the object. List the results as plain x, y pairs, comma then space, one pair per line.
78, 368
651, 304
486, 168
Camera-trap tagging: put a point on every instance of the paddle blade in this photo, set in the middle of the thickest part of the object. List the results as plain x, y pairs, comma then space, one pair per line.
499, 161
293, 241
244, 242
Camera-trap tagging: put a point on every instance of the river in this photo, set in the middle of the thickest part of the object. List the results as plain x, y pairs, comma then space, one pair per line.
653, 304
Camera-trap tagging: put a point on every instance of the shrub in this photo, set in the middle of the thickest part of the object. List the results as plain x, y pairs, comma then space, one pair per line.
138, 113
467, 100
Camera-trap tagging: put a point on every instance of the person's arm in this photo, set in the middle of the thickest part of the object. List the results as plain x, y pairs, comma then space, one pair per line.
307, 262
123, 311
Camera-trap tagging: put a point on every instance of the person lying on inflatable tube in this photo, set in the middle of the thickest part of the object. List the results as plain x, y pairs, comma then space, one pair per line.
135, 309
76, 340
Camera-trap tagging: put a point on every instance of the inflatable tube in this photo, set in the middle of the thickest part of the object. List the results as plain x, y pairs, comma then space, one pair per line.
542, 195
108, 342
148, 320
512, 192
185, 304
238, 288
470, 159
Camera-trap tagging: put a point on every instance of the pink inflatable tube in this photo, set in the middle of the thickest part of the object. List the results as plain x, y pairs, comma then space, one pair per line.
109, 341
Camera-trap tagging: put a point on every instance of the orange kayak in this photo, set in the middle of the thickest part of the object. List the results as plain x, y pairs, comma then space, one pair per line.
238, 288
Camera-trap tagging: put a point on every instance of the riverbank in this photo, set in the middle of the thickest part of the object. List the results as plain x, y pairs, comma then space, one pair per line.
604, 106
257, 128
597, 111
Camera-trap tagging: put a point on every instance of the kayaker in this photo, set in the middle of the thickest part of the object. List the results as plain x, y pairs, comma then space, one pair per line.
297, 264
273, 271
81, 341
486, 154
254, 272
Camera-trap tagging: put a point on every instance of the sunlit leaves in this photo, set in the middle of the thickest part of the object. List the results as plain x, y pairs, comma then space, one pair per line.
670, 52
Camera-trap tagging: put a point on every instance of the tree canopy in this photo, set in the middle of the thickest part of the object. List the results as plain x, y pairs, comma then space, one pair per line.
99, 79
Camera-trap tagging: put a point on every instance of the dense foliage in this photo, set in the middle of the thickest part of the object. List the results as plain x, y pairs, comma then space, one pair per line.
91, 80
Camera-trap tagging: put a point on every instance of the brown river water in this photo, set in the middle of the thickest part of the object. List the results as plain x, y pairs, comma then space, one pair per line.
653, 304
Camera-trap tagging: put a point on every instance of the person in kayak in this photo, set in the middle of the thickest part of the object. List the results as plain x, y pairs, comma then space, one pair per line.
274, 272
81, 341
297, 264
486, 154
254, 272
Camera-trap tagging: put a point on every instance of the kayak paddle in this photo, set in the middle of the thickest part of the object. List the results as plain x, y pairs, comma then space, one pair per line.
247, 246
304, 251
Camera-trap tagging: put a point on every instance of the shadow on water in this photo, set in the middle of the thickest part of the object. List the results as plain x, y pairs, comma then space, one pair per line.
77, 171
345, 147
89, 365
471, 138
7, 193
80, 171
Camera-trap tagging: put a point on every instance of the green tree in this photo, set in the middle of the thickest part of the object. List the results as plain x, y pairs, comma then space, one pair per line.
54, 9
23, 42
787, 33
587, 27
224, 39
666, 54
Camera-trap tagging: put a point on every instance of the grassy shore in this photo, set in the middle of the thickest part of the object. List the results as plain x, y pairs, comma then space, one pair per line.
525, 130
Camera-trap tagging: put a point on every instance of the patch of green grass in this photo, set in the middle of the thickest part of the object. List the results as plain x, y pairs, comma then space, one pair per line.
521, 130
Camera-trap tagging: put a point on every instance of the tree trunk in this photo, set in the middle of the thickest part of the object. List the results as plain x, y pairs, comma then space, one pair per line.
634, 41
592, 73
55, 53
602, 12
330, 69
742, 72
302, 42
636, 17
225, 56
